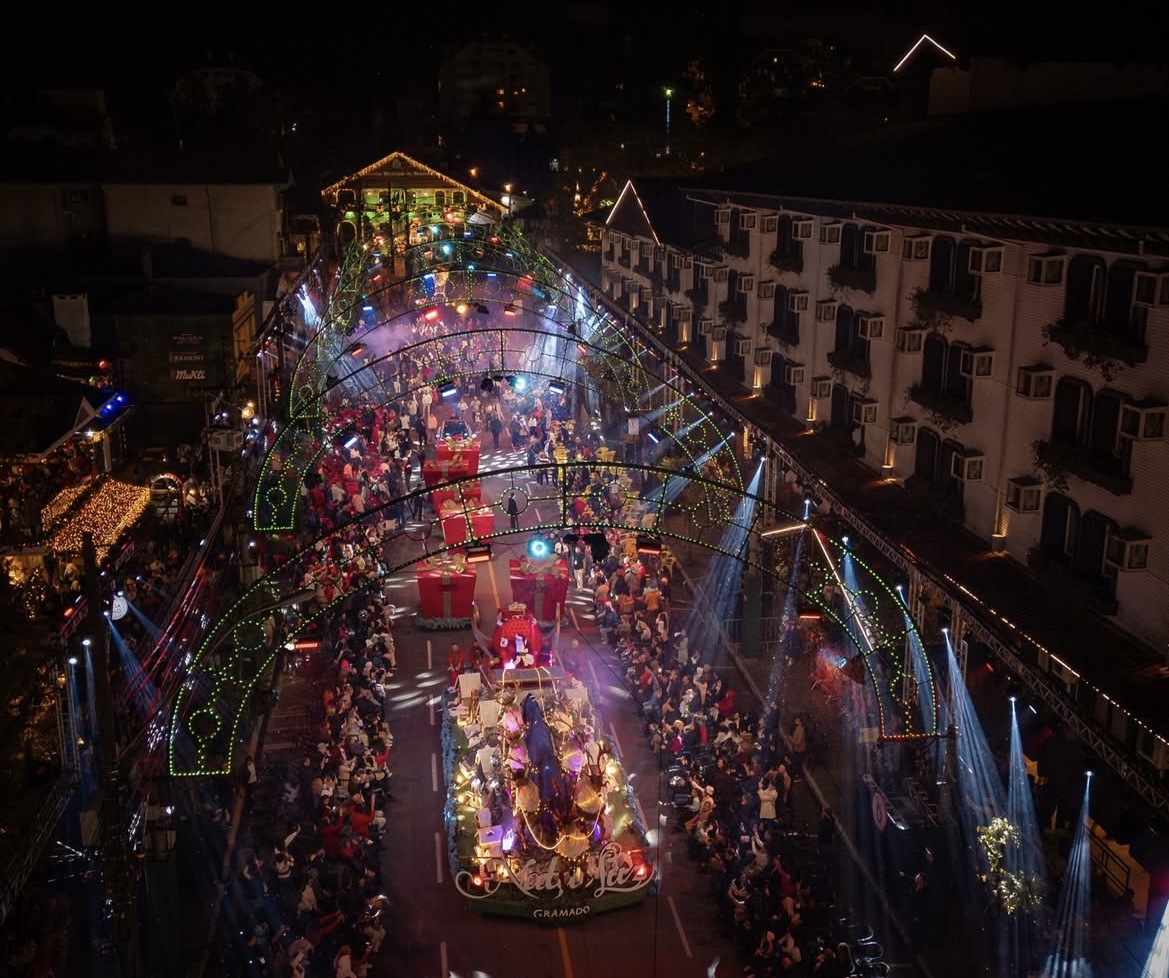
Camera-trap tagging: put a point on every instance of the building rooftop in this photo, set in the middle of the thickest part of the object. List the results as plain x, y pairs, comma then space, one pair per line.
39, 408
45, 161
1074, 162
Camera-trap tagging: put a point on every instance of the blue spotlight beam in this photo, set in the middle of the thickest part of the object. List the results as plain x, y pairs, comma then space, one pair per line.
1068, 957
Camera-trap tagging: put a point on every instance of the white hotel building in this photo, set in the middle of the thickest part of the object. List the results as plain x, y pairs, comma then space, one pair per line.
1013, 369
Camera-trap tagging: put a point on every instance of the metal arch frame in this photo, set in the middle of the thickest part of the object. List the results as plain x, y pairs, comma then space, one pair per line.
229, 684
355, 267
267, 485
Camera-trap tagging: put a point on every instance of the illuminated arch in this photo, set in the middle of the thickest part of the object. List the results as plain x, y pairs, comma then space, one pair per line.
214, 702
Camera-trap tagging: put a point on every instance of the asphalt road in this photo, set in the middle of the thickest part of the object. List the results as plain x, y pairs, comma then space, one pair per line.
672, 933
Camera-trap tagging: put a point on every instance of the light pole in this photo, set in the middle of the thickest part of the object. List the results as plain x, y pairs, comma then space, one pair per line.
669, 96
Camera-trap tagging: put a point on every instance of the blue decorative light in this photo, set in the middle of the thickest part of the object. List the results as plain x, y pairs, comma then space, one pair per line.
538, 548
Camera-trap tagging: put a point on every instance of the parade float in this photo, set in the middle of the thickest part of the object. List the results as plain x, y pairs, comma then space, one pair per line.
541, 821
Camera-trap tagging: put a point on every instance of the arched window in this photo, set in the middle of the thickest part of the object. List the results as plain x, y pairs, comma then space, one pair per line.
458, 197
933, 362
1118, 304
841, 407
966, 284
942, 264
1061, 526
1071, 411
946, 480
1084, 296
845, 328
851, 246
957, 384
785, 392
1110, 453
1089, 553
440, 199
927, 449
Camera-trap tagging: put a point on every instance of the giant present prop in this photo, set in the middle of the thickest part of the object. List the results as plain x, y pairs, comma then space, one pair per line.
446, 589
467, 449
440, 470
518, 623
541, 585
463, 492
461, 524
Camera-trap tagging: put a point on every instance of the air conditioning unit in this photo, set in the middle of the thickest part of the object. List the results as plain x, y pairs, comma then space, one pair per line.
659, 253
830, 233
720, 274
746, 283
986, 261
826, 310
864, 411
225, 440
763, 358
770, 223
747, 222
687, 261
742, 347
870, 327
876, 242
705, 327
903, 430
1144, 421
722, 215
766, 290
793, 373
976, 363
821, 388
797, 301
967, 467
909, 339
802, 228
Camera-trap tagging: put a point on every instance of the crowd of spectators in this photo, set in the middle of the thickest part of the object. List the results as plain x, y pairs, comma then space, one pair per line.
731, 777
307, 899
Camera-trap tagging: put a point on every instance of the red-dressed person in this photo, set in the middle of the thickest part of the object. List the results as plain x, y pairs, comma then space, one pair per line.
456, 662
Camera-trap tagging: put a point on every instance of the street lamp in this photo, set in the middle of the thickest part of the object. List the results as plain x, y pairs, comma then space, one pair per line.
669, 96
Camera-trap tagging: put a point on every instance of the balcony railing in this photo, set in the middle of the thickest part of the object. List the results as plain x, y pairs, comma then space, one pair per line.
737, 248
1057, 577
1095, 346
1058, 460
787, 332
946, 410
733, 312
786, 263
850, 363
861, 279
935, 306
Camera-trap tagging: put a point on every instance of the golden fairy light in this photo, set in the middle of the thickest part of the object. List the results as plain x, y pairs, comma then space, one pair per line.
112, 509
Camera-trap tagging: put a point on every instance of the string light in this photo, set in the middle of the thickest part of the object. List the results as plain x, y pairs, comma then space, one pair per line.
112, 509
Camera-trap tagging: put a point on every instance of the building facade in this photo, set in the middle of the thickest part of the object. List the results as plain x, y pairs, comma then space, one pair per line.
1014, 370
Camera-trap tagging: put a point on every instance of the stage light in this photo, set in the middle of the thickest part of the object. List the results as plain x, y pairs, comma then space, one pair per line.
555, 387
72, 660
86, 642
479, 554
351, 441
654, 436
431, 314
357, 349
649, 545
538, 548
447, 391
844, 540
462, 308
509, 310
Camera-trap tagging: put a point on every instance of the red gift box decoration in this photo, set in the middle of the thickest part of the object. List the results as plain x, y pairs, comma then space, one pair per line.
445, 590
465, 449
437, 471
456, 523
541, 585
461, 493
